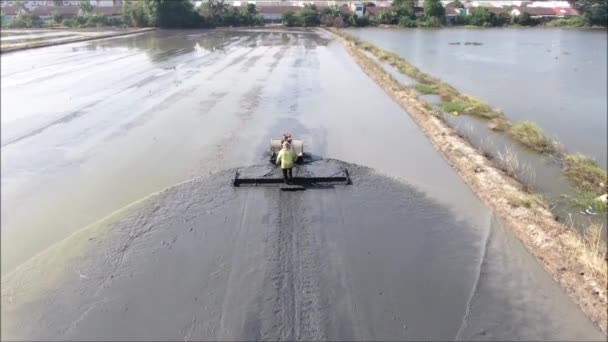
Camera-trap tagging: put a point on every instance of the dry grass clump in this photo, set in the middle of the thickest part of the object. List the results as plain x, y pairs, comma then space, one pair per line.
532, 136
590, 249
526, 200
585, 173
499, 124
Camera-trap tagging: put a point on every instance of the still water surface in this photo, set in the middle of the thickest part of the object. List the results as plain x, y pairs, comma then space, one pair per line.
554, 77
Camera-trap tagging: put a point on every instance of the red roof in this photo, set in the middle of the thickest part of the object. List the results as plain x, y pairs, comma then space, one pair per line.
61, 10
9, 10
113, 10
538, 11
277, 9
499, 10
450, 10
567, 12
375, 10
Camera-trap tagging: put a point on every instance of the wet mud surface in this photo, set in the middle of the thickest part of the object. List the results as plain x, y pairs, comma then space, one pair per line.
204, 260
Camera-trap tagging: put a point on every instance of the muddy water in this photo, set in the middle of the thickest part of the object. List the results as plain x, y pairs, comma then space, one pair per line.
408, 252
555, 77
377, 260
88, 128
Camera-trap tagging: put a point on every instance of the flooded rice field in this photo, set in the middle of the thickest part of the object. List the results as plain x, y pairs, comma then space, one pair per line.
554, 77
99, 129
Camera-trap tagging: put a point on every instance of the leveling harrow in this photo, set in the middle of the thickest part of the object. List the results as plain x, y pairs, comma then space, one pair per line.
306, 174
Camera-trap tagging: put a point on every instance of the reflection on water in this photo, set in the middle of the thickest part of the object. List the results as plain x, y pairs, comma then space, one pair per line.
164, 45
555, 77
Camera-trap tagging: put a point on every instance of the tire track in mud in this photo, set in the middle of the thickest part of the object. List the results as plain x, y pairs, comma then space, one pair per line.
475, 286
293, 307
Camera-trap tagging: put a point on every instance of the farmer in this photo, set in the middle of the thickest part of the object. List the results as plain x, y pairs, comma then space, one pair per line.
286, 137
286, 158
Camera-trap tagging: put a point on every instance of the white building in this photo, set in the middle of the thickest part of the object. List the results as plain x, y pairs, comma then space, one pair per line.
513, 3
301, 3
31, 4
357, 8
550, 4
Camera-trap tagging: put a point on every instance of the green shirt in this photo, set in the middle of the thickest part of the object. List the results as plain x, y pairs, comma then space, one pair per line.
286, 158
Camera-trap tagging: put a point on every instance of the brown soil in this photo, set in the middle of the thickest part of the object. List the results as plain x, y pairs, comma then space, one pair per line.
556, 247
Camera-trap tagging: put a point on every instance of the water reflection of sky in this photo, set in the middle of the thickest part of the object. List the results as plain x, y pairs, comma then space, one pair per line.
556, 77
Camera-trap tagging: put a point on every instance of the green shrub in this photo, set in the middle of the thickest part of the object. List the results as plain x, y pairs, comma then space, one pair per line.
452, 107
578, 21
25, 20
423, 88
290, 19
309, 17
67, 22
481, 16
585, 199
114, 21
407, 22
359, 21
429, 22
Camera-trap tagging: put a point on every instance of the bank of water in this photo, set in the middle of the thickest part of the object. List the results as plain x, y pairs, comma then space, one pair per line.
501, 66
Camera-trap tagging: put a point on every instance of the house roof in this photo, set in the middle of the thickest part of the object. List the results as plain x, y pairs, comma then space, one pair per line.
538, 11
277, 9
111, 10
9, 10
375, 10
450, 10
61, 10
499, 10
567, 11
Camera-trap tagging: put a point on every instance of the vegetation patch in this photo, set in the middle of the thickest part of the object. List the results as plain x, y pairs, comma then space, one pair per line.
453, 107
579, 21
477, 107
589, 199
423, 88
532, 136
526, 200
585, 174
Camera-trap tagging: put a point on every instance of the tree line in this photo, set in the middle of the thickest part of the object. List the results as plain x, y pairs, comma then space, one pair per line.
214, 13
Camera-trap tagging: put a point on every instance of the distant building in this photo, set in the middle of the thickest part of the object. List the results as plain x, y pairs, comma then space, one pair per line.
357, 8
513, 3
300, 3
274, 14
31, 4
65, 8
